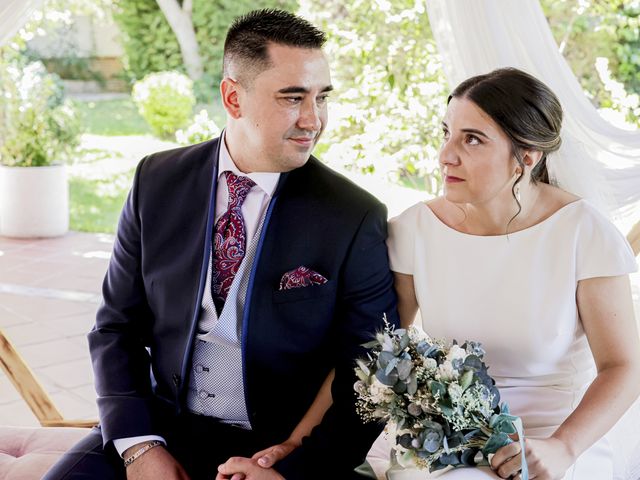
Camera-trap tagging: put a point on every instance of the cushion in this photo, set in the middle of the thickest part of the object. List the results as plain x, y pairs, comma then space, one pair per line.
27, 453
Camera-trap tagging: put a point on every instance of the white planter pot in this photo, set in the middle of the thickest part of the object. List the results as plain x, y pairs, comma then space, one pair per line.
34, 201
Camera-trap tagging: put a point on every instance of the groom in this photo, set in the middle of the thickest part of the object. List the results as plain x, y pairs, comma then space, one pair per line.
243, 271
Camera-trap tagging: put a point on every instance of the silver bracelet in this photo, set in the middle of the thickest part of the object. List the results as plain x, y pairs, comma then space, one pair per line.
140, 451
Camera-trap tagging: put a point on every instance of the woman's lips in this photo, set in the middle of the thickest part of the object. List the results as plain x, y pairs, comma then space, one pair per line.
452, 179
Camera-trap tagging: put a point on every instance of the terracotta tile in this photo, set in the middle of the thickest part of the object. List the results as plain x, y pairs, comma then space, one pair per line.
30, 334
69, 375
53, 353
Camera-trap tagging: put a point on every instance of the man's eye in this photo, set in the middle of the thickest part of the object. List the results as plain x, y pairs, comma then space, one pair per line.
322, 99
293, 99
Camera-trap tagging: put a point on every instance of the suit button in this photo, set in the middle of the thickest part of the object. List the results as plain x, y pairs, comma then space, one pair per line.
176, 379
203, 394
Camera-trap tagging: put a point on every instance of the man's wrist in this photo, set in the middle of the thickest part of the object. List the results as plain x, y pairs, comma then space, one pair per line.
136, 451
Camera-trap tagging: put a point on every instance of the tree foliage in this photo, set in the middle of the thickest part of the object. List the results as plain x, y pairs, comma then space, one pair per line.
390, 89
151, 46
590, 29
391, 92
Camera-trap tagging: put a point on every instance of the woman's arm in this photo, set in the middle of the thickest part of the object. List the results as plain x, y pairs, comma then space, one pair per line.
407, 302
606, 312
268, 457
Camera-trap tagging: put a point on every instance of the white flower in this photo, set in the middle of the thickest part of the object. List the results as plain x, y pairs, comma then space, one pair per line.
430, 364
447, 372
380, 393
455, 392
455, 352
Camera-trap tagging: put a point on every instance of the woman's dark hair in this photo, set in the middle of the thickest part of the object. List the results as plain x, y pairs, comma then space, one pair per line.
524, 107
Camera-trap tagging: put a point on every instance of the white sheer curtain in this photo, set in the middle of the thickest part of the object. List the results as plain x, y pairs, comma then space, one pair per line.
597, 161
13, 15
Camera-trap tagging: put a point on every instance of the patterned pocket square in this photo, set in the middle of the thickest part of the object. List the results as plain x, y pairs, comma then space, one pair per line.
301, 277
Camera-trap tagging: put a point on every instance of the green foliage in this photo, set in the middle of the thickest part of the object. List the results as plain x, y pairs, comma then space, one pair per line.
151, 46
609, 29
390, 89
165, 100
38, 127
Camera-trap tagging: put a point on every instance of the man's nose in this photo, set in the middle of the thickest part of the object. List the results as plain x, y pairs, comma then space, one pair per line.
310, 117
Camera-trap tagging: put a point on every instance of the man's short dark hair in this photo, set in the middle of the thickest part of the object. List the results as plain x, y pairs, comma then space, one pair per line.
249, 36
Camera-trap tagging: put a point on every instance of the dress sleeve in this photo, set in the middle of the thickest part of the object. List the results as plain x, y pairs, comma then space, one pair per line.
401, 241
602, 250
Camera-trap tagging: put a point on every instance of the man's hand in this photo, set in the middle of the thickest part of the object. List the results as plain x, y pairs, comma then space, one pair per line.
156, 463
240, 468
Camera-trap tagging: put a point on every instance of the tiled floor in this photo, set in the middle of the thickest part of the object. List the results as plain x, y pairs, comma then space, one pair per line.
49, 292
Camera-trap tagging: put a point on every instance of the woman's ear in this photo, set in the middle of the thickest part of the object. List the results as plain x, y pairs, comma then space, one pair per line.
230, 93
531, 157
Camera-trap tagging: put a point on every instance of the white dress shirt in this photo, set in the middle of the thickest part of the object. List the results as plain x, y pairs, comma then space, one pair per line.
253, 209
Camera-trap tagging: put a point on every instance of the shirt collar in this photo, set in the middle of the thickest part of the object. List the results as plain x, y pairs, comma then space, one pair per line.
266, 181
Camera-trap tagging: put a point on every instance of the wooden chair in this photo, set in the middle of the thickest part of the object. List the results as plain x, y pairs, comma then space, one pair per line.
31, 390
28, 453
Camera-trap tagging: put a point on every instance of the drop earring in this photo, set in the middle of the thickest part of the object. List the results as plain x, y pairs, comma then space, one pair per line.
516, 191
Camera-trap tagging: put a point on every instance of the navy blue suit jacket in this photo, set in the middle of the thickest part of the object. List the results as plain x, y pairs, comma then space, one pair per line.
142, 341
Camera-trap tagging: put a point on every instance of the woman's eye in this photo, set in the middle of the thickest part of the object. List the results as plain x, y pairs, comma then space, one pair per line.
473, 140
445, 134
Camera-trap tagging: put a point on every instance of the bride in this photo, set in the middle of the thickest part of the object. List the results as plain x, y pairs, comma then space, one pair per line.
534, 273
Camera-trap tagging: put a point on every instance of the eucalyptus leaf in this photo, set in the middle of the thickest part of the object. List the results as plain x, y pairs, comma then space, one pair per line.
466, 379
412, 386
388, 380
384, 358
400, 387
452, 458
404, 368
437, 388
391, 365
468, 457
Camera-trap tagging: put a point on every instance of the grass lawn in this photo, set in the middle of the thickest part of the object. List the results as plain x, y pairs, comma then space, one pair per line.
117, 137
111, 117
95, 204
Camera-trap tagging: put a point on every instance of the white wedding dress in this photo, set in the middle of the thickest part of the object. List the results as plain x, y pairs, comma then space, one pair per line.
516, 295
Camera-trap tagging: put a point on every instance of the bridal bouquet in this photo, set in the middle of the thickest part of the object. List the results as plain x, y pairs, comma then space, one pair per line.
444, 404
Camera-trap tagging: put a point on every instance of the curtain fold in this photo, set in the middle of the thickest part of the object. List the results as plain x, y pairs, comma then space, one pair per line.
13, 15
597, 161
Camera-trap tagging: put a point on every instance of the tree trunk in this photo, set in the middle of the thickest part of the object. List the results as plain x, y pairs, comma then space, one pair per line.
179, 19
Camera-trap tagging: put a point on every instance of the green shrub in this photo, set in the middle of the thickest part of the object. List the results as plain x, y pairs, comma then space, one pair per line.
165, 100
38, 127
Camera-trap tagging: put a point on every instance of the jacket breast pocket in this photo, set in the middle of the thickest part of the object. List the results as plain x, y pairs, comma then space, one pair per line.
304, 293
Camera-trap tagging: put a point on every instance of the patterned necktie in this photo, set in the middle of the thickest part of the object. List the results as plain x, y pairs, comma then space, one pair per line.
229, 239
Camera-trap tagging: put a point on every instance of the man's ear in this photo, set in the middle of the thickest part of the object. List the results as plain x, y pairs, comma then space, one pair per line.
531, 157
230, 91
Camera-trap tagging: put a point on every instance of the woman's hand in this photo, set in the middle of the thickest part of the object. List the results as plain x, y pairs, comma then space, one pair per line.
547, 459
268, 457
